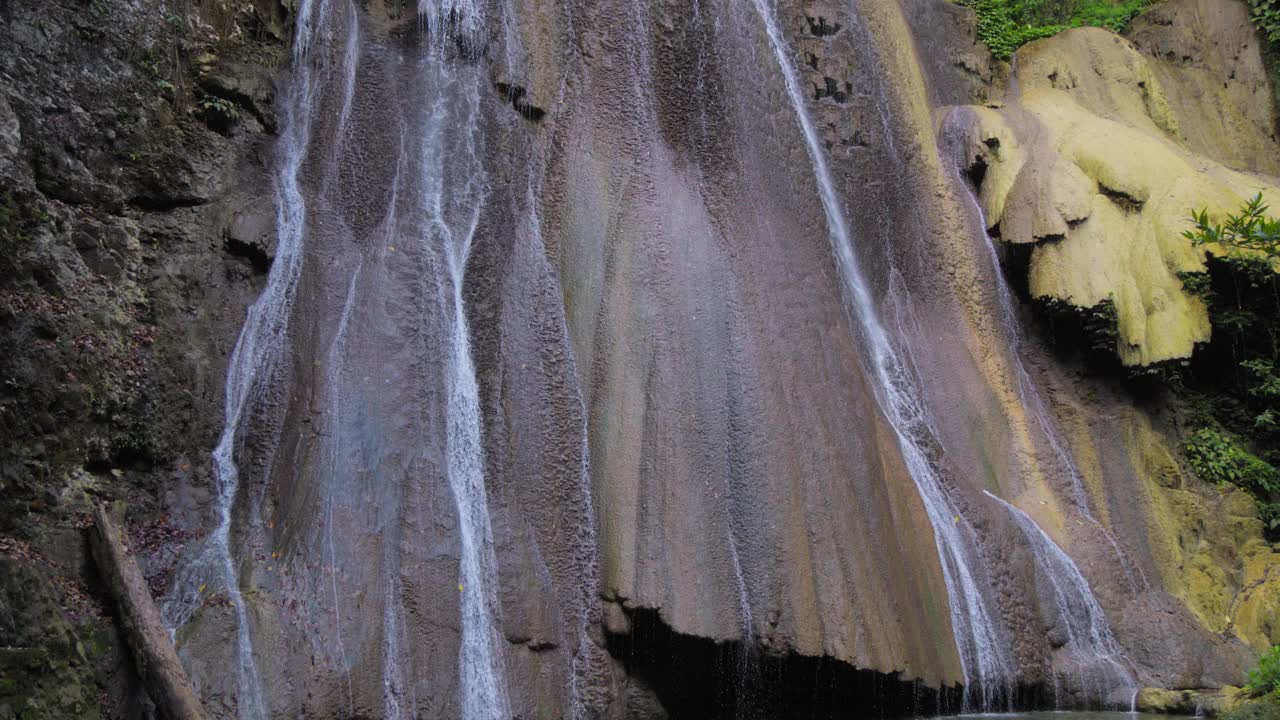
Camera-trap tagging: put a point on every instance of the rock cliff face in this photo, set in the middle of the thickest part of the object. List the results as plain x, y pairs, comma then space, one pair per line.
556, 396
125, 276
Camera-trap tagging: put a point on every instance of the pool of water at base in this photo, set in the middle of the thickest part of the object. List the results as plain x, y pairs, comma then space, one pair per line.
1065, 715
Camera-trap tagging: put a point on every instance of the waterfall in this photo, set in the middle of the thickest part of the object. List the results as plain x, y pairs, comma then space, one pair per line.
481, 663
1089, 640
984, 660
457, 21
255, 362
954, 149
452, 194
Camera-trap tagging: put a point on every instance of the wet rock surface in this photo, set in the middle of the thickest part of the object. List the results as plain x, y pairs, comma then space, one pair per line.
697, 503
117, 302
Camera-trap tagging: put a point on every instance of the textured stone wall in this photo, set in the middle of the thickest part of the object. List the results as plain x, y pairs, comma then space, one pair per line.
662, 343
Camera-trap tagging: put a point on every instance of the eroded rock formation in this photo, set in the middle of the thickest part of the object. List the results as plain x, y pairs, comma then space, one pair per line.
581, 254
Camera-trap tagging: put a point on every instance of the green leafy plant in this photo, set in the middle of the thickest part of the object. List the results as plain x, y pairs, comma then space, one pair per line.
219, 114
1096, 327
1217, 457
214, 104
1251, 230
1242, 293
1006, 25
1265, 679
1266, 17
1112, 16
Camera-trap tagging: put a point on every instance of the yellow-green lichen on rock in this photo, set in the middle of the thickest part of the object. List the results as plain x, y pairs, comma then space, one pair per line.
1086, 162
1207, 544
1255, 610
1190, 702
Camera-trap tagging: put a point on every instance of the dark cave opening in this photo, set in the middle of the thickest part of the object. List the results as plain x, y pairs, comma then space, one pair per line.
695, 677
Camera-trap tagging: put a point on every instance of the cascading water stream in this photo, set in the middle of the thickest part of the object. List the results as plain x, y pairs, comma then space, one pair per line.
254, 362
452, 182
953, 146
1089, 639
1097, 646
483, 685
983, 657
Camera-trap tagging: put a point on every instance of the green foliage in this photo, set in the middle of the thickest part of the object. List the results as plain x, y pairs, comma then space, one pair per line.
1242, 292
1251, 230
1096, 327
1198, 284
1266, 17
1265, 679
213, 104
1000, 30
218, 113
1006, 25
1269, 513
1112, 16
1217, 457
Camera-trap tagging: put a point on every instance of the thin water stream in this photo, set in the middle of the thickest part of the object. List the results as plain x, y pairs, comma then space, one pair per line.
952, 137
255, 362
1101, 665
451, 196
435, 195
987, 668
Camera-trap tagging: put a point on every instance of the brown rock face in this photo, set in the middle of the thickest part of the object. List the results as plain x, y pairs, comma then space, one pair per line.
552, 398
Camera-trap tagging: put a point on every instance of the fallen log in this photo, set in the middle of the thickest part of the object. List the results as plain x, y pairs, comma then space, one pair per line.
148, 640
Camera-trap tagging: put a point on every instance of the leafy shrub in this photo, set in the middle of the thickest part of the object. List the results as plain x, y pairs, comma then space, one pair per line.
1095, 328
1265, 679
1266, 17
1269, 513
219, 114
1251, 230
1217, 457
1112, 16
1242, 292
1006, 25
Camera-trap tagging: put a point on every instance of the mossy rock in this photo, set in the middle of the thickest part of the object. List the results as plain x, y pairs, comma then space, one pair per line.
46, 671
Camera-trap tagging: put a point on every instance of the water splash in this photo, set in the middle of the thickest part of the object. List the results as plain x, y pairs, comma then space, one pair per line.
984, 660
